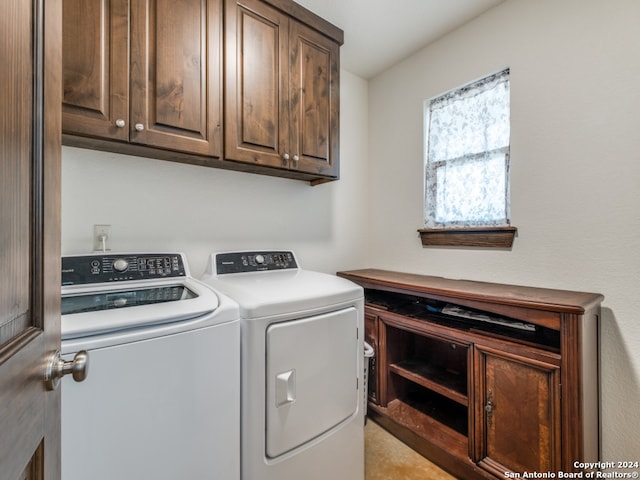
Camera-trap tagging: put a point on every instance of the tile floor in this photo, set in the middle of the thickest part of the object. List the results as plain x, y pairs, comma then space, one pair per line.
387, 458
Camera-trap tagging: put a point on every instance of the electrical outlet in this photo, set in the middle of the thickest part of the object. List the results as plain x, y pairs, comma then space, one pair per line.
101, 238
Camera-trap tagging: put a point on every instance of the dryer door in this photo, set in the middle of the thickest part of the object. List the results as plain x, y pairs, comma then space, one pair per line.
311, 378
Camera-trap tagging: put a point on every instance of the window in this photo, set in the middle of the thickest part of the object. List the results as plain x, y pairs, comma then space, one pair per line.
467, 156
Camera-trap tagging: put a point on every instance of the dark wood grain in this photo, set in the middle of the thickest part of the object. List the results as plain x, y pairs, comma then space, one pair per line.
531, 402
156, 68
314, 100
257, 99
282, 91
175, 74
16, 133
542, 305
96, 68
30, 129
521, 432
306, 16
481, 237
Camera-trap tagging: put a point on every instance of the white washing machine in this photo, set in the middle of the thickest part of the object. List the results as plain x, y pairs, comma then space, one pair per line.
302, 367
162, 394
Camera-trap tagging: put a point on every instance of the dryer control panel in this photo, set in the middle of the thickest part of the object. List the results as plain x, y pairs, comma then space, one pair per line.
87, 269
241, 262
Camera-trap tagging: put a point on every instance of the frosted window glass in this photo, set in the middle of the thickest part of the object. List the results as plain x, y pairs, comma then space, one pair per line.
467, 155
471, 192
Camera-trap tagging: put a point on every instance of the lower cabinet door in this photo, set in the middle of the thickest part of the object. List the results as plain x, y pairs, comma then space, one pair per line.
517, 411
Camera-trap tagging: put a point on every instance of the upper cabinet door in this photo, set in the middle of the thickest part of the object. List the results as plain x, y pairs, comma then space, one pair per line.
315, 102
95, 68
176, 84
257, 110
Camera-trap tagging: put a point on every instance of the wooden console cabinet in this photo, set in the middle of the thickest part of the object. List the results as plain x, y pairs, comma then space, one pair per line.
483, 378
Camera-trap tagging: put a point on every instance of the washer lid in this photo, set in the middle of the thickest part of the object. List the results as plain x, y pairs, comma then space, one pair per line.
267, 293
183, 299
125, 298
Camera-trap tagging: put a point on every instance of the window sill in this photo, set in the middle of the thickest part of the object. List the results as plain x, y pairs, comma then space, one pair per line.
488, 237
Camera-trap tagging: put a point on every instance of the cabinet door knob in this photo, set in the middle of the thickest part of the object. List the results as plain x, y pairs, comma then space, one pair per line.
139, 127
286, 156
120, 123
296, 158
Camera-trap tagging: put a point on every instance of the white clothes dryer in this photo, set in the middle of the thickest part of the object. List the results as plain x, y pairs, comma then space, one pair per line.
301, 369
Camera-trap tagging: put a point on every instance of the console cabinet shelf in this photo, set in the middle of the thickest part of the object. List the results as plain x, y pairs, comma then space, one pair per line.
432, 378
484, 378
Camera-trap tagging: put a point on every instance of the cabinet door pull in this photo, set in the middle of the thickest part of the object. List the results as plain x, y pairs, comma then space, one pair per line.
489, 408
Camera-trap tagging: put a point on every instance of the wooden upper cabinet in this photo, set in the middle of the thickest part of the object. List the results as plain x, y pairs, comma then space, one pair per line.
145, 77
257, 113
176, 86
146, 72
95, 53
314, 101
282, 91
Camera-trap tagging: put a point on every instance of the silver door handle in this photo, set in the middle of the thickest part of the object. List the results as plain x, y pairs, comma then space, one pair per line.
58, 368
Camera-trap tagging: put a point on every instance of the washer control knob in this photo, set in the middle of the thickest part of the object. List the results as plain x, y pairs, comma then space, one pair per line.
120, 265
259, 259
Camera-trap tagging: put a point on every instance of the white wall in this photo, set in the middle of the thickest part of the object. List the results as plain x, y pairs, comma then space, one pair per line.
575, 169
158, 205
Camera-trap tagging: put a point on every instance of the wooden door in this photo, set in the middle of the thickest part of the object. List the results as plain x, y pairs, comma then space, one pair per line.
256, 98
176, 68
95, 68
30, 37
314, 92
517, 411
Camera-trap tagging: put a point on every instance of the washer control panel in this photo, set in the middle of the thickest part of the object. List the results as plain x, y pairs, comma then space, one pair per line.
104, 268
241, 262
